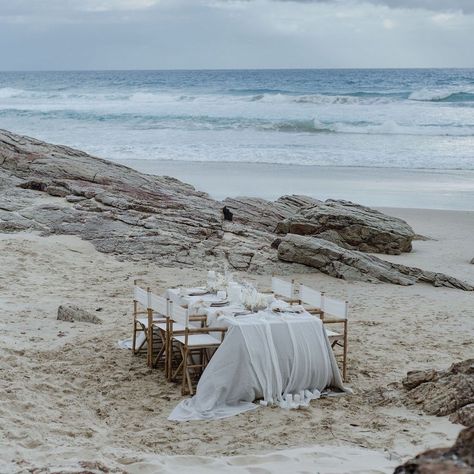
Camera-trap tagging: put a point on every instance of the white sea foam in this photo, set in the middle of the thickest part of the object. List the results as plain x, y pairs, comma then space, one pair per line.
390, 127
378, 118
9, 92
465, 93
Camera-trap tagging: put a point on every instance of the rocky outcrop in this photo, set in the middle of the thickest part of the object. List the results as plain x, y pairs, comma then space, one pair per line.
72, 313
444, 392
339, 262
351, 226
54, 189
459, 459
347, 224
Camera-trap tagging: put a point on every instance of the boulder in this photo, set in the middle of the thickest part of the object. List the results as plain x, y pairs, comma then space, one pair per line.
266, 215
351, 226
72, 313
339, 262
444, 392
459, 459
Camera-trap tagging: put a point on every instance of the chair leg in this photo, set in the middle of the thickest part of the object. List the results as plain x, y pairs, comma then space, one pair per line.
169, 358
161, 352
134, 341
185, 370
344, 360
150, 346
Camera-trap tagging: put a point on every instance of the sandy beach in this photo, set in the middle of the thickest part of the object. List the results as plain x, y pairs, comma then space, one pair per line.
375, 187
272, 201
70, 395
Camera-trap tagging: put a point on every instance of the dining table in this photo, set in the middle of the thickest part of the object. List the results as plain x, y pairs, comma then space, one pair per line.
280, 355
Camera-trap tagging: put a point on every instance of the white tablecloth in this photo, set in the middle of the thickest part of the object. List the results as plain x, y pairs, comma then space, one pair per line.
263, 356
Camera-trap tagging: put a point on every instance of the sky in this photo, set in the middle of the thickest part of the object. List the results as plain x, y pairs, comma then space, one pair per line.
221, 34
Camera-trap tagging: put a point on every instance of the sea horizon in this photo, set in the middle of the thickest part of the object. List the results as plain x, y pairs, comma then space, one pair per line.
280, 68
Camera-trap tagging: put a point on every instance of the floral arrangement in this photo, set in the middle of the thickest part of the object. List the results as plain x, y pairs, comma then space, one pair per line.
217, 281
253, 300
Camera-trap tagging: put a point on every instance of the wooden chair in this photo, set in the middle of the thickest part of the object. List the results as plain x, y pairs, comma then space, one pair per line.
311, 300
159, 313
166, 329
284, 290
195, 346
331, 311
336, 312
142, 305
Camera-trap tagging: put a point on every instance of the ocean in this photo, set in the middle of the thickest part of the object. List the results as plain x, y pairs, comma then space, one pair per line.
392, 118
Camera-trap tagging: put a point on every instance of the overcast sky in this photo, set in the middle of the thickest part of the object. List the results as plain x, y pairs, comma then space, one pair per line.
169, 34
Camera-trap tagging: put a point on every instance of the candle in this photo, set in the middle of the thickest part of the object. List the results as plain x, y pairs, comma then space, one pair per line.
234, 293
211, 279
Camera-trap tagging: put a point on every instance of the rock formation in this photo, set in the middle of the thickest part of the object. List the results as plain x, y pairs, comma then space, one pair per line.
339, 262
459, 459
445, 392
121, 211
73, 313
351, 226
58, 190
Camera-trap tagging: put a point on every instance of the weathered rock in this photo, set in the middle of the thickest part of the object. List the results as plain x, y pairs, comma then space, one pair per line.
459, 459
266, 215
73, 313
120, 210
445, 392
351, 226
464, 415
338, 262
58, 190
417, 377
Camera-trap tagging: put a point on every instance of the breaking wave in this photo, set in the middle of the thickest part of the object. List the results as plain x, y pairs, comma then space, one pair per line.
443, 95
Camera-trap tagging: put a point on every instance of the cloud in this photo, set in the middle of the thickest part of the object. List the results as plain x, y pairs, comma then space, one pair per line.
31, 8
465, 6
168, 34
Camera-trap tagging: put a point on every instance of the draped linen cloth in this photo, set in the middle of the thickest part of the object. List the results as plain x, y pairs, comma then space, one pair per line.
263, 356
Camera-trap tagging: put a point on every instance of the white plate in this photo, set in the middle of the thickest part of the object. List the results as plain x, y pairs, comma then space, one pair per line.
217, 304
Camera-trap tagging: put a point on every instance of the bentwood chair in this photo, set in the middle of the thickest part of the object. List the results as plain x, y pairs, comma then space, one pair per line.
196, 346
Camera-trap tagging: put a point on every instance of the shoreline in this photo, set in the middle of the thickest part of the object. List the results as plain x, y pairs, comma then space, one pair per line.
374, 187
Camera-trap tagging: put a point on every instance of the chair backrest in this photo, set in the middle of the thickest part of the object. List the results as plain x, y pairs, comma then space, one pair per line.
282, 287
179, 314
335, 307
140, 296
174, 297
158, 304
311, 297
